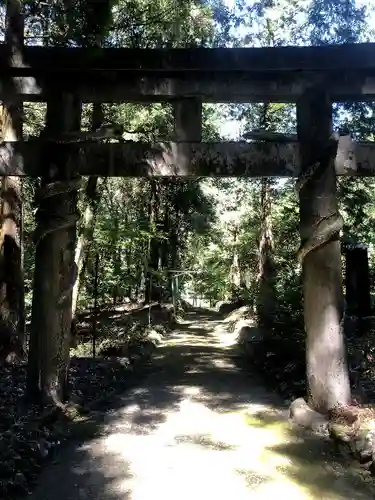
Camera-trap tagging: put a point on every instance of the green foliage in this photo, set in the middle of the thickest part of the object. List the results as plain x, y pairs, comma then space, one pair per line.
272, 23
126, 227
191, 223
333, 21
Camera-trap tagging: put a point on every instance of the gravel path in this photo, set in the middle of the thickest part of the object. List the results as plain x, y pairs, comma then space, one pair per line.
199, 427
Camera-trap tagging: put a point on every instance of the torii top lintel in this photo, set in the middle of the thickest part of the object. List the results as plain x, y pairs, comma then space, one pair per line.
279, 74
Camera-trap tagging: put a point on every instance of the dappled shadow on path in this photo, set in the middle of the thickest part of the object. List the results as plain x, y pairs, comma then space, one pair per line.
198, 426
311, 462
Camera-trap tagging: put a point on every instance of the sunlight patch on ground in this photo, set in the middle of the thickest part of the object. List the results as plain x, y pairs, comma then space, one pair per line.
194, 451
225, 338
191, 391
202, 453
194, 341
222, 363
216, 435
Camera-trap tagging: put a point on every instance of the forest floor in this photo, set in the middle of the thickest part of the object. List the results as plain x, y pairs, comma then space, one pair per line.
31, 435
199, 426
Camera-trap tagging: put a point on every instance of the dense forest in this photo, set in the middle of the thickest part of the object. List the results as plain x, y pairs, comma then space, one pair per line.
147, 249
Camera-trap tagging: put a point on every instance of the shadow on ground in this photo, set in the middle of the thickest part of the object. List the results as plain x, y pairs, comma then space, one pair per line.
197, 425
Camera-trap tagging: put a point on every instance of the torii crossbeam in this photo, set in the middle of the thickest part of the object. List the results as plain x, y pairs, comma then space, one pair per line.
277, 74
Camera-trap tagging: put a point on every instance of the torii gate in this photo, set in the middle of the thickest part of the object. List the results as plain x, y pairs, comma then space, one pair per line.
312, 77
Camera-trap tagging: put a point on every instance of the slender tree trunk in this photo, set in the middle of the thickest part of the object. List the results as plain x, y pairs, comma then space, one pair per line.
235, 271
89, 218
151, 280
147, 274
129, 291
165, 246
266, 298
116, 261
173, 258
174, 233
266, 306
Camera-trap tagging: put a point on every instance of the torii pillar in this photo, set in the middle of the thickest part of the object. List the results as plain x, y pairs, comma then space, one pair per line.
327, 374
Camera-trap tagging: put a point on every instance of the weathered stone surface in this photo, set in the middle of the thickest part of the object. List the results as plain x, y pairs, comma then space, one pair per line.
363, 445
175, 159
249, 338
356, 441
302, 414
154, 337
222, 88
243, 312
216, 75
226, 307
247, 331
55, 60
341, 433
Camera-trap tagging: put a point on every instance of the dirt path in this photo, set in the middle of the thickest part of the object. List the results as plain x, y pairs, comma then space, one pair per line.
199, 427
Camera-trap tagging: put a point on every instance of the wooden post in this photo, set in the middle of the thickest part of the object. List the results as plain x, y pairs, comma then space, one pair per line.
96, 309
11, 287
327, 374
357, 291
54, 257
187, 128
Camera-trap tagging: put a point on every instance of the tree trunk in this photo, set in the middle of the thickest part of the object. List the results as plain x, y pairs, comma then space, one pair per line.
235, 271
89, 218
266, 297
151, 281
147, 275
174, 234
54, 260
11, 241
11, 250
129, 289
327, 373
165, 245
173, 259
266, 306
116, 256
86, 237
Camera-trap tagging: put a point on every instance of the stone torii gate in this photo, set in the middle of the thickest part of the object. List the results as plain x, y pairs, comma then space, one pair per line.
311, 77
